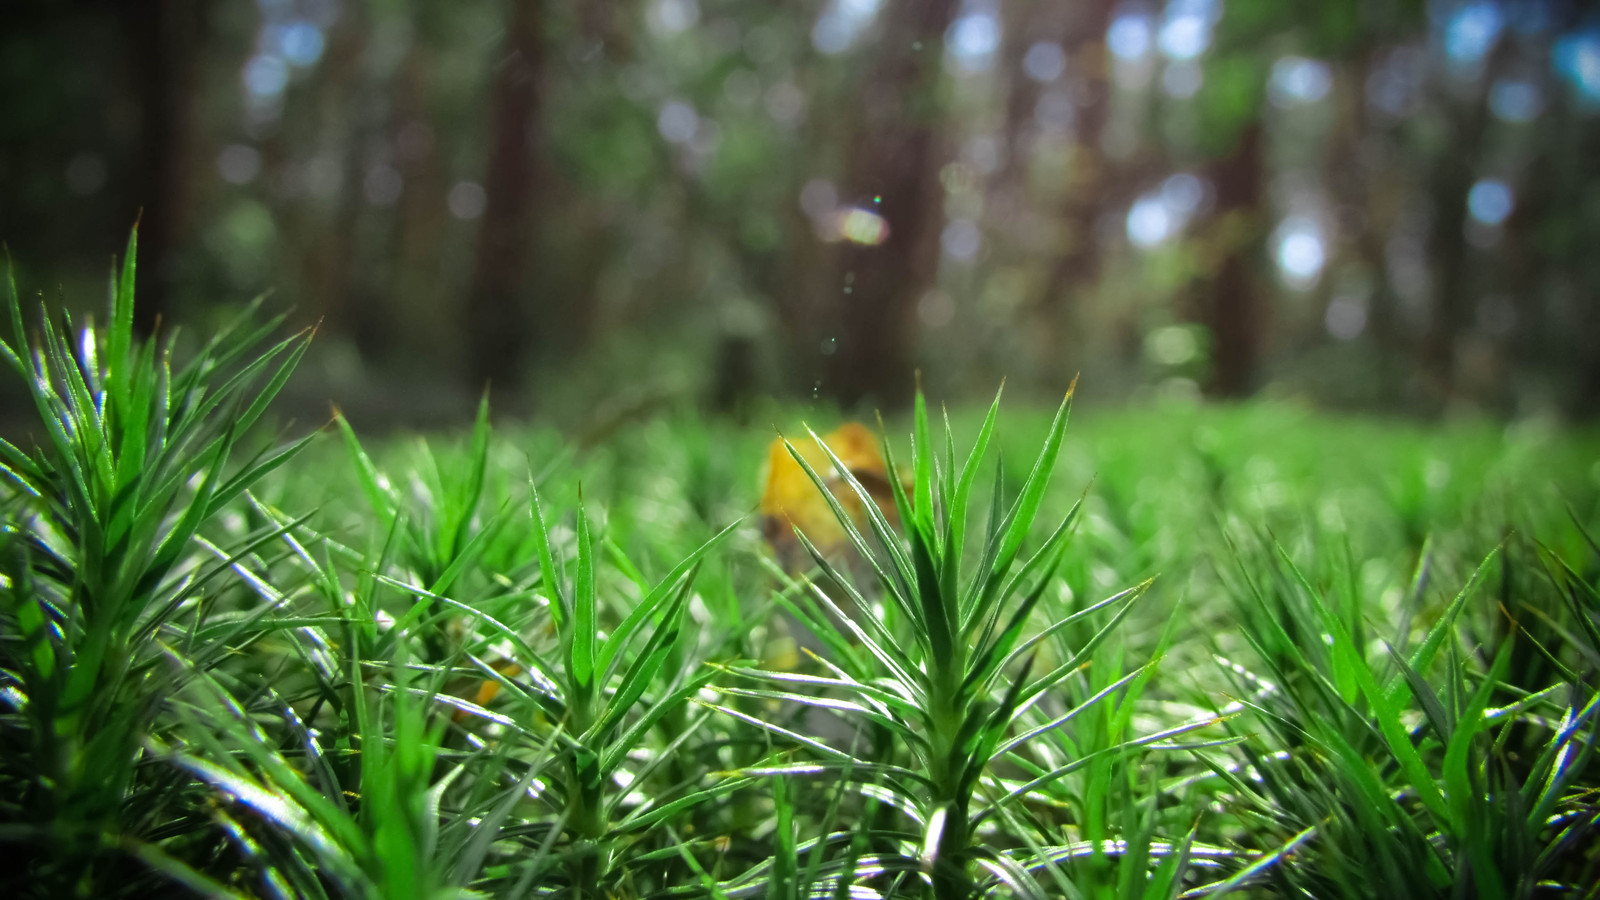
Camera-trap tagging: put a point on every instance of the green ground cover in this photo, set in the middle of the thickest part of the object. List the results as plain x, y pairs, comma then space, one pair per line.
1159, 652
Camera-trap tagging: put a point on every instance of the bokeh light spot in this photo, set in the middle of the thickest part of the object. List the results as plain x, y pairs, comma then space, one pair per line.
239, 163
841, 23
1577, 60
1345, 318
1297, 80
1044, 62
1129, 37
1490, 201
973, 40
862, 226
383, 185
669, 17
1172, 345
467, 200
1515, 100
1300, 252
1471, 31
266, 75
1149, 222
677, 122
1183, 193
301, 43
961, 240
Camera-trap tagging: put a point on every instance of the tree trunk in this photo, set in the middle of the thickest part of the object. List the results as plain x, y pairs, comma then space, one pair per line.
165, 35
501, 321
1093, 185
895, 172
1454, 171
1229, 304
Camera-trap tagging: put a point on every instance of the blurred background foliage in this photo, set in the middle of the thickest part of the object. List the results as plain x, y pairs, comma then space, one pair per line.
602, 206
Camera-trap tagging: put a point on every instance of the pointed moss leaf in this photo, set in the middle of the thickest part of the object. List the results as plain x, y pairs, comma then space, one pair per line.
1422, 658
550, 577
373, 484
922, 470
1027, 504
900, 584
582, 648
683, 572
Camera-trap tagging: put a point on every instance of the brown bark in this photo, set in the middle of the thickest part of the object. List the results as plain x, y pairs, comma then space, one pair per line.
165, 35
500, 324
1369, 187
1094, 181
1228, 299
895, 157
344, 117
1453, 173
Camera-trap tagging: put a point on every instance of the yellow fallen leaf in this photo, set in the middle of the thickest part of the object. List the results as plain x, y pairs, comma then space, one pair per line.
791, 500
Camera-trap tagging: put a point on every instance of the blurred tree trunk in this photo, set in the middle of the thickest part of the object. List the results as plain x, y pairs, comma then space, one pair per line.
164, 36
345, 123
1020, 26
1093, 180
1572, 320
1367, 182
894, 170
501, 319
1229, 304
1453, 171
1452, 179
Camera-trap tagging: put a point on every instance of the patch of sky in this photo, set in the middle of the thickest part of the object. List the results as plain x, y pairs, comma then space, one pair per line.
1186, 28
1576, 57
1128, 38
1149, 222
1160, 214
677, 122
266, 75
974, 36
841, 22
1470, 31
299, 42
1491, 201
669, 17
1296, 80
1299, 251
1044, 62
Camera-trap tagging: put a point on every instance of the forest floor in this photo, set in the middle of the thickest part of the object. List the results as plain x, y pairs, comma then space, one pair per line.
1163, 651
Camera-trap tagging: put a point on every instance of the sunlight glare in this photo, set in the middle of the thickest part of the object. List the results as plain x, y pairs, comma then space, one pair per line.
1300, 252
